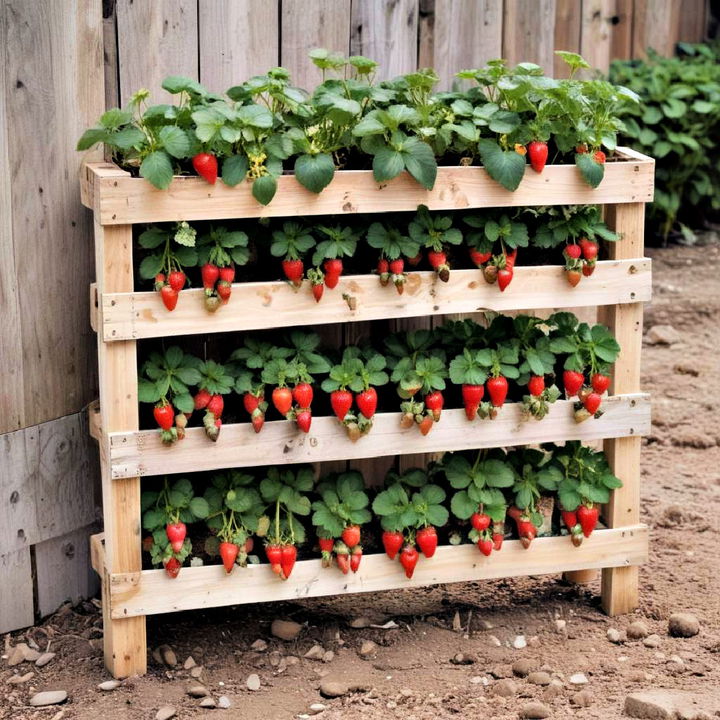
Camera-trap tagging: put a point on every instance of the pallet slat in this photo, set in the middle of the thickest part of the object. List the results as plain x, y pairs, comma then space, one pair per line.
142, 453
134, 316
147, 592
122, 199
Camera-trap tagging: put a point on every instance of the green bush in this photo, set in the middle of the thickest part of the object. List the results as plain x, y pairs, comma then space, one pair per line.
678, 123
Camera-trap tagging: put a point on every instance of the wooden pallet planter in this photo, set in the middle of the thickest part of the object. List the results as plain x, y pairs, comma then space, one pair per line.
121, 316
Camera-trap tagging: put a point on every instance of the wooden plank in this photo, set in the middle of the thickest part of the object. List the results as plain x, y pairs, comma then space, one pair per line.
620, 587
97, 553
529, 32
568, 21
110, 55
466, 34
53, 85
142, 453
132, 316
387, 33
596, 33
237, 39
63, 570
308, 24
16, 590
156, 38
426, 33
122, 200
655, 23
46, 481
147, 593
621, 43
693, 21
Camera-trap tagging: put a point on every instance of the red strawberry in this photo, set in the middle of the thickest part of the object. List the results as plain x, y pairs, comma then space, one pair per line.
397, 266
177, 280
216, 405
538, 154
331, 281
599, 157
303, 420
409, 559
229, 552
581, 148
497, 389
426, 424
317, 290
434, 402
427, 540
480, 521
485, 543
293, 270
176, 533
504, 278
303, 394
282, 400
589, 249
587, 516
367, 402
159, 281
326, 544
526, 530
588, 268
392, 542
573, 251
333, 266
437, 258
600, 383
274, 556
227, 274
351, 535
210, 274
257, 419
251, 401
497, 540
202, 399
206, 166
569, 517
536, 385
592, 403
169, 297
510, 259
479, 258
341, 401
572, 381
355, 558
172, 567
342, 557
382, 266
249, 545
287, 562
164, 416
472, 396
573, 277
224, 290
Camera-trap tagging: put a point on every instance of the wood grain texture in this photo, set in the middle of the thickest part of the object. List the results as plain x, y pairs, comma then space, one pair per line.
655, 25
110, 56
466, 34
125, 199
596, 33
308, 24
693, 21
568, 21
147, 593
621, 43
528, 32
237, 39
46, 105
16, 590
387, 32
156, 38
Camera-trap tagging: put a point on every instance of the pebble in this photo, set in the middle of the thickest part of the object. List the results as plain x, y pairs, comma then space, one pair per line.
462, 659
676, 659
505, 688
259, 645
168, 656
584, 698
20, 679
224, 702
616, 636
578, 679
208, 702
331, 688
196, 672
49, 697
485, 625
190, 663
552, 691
253, 682
522, 668
492, 640
109, 685
316, 652
539, 678
502, 671
519, 642
198, 691
292, 660
165, 712
534, 711
560, 625
328, 656
317, 708
44, 659
683, 625
479, 680
663, 705
285, 629
534, 641
22, 653
360, 622
367, 648
652, 641
662, 335
637, 630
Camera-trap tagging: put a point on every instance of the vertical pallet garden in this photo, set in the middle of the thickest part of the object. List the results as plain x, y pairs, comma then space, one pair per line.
122, 316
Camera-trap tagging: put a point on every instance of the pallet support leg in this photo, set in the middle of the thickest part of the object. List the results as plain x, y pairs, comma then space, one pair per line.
125, 644
620, 585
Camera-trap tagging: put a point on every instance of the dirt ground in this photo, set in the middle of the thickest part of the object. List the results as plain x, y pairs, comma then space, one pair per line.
410, 675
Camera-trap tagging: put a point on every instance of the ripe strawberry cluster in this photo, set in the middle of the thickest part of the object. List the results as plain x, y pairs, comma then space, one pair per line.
580, 260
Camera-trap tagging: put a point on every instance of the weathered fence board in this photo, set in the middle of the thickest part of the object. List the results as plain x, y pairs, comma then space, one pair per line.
528, 32
16, 590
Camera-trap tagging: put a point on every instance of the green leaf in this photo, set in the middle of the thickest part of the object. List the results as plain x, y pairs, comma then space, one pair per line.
184, 403
175, 84
387, 164
115, 118
462, 506
264, 188
175, 141
152, 237
127, 138
314, 172
148, 392
157, 169
199, 507
504, 166
150, 266
91, 137
591, 171
420, 162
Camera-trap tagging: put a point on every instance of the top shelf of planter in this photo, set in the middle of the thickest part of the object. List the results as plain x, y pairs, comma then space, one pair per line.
117, 198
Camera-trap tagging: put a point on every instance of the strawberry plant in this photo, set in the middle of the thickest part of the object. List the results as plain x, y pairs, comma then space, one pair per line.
338, 515
435, 232
219, 251
165, 514
393, 245
286, 490
291, 243
166, 381
339, 242
215, 381
174, 251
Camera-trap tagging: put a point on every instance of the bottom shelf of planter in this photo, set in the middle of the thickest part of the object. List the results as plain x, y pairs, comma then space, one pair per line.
146, 592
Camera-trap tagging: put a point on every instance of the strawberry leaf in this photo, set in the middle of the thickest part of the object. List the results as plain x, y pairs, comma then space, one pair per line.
592, 172
314, 172
504, 166
157, 169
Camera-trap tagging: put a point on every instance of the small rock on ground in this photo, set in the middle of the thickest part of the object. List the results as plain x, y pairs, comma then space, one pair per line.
492, 640
20, 679
196, 672
662, 335
224, 702
505, 688
109, 685
584, 698
637, 630
652, 641
167, 655
165, 712
198, 691
664, 705
519, 642
316, 652
22, 653
578, 679
49, 697
523, 667
683, 625
208, 702
44, 659
462, 659
190, 663
253, 682
367, 648
360, 622
328, 656
616, 636
285, 629
259, 645
561, 625
332, 688
539, 678
316, 708
534, 711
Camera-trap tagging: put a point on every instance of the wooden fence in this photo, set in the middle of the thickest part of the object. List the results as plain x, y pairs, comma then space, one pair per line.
66, 61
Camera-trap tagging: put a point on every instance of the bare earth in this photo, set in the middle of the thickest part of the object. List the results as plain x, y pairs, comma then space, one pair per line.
410, 675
